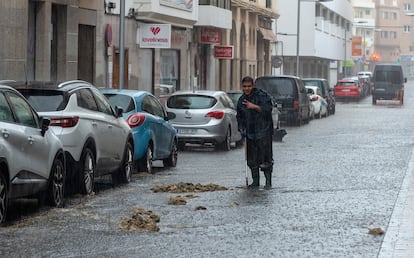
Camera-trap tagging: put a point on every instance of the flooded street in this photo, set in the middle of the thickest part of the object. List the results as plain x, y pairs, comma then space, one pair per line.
334, 180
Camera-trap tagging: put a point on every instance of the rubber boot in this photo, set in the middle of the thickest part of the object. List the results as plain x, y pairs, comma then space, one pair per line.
255, 176
268, 176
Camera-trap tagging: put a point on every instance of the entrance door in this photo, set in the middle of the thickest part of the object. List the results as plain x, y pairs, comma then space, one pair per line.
86, 53
115, 71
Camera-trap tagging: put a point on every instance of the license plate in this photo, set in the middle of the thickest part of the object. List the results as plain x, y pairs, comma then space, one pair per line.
346, 90
187, 131
279, 105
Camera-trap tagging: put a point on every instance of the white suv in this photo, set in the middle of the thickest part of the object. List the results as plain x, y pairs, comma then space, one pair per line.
96, 139
32, 161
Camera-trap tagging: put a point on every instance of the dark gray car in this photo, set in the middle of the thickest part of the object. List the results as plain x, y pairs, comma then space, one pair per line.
388, 83
290, 95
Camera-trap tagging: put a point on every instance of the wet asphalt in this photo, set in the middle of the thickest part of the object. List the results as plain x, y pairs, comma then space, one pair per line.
334, 179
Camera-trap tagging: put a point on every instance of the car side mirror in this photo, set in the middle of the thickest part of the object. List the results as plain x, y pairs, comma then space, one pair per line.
119, 111
44, 125
170, 115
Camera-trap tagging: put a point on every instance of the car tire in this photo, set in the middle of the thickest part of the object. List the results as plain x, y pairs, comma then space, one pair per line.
146, 161
56, 191
88, 166
226, 144
4, 198
171, 161
181, 146
124, 173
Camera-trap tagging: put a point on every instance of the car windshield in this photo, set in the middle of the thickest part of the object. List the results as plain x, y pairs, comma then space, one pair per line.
276, 86
234, 96
311, 83
123, 101
346, 84
191, 102
45, 100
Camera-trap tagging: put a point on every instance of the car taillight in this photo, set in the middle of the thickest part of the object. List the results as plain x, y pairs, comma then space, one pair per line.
215, 114
135, 120
296, 104
67, 121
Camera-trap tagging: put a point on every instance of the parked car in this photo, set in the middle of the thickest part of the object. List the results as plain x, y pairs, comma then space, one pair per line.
234, 96
278, 133
32, 160
349, 88
154, 137
96, 139
365, 73
320, 106
204, 117
388, 83
290, 95
326, 92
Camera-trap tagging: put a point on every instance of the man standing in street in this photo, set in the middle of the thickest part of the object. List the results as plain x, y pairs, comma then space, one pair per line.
254, 118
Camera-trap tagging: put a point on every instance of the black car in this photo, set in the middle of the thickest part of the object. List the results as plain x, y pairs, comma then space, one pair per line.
290, 95
327, 92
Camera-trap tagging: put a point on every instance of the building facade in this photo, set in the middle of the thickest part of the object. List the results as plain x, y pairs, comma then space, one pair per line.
50, 39
324, 38
364, 30
205, 44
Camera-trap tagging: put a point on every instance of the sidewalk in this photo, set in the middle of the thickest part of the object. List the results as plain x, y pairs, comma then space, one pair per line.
399, 237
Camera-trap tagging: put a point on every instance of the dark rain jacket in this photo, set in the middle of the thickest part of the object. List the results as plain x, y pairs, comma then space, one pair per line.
255, 124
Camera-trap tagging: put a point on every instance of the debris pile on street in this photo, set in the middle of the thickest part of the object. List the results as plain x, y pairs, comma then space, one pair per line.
180, 200
188, 187
376, 231
141, 220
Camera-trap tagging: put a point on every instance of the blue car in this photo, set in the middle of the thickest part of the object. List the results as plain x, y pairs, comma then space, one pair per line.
154, 137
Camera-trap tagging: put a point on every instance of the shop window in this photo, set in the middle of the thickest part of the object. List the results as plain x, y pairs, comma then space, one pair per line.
169, 67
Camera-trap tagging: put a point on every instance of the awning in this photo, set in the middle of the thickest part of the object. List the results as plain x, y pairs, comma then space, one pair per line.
268, 35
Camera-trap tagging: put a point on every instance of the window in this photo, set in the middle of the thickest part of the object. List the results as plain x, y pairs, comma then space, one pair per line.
384, 15
393, 16
393, 34
86, 100
407, 7
102, 103
358, 14
367, 12
384, 34
24, 113
406, 28
5, 112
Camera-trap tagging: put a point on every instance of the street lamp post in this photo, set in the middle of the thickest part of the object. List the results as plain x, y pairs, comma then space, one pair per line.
298, 31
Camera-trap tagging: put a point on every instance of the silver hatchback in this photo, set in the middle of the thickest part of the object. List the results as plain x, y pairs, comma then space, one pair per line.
204, 117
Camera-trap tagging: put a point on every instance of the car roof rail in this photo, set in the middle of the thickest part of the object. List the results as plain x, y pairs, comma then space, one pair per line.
6, 81
63, 84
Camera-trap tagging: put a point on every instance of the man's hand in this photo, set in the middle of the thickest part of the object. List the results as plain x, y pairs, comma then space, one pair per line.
250, 105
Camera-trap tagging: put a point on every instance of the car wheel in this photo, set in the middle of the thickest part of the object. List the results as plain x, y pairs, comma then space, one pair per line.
146, 161
181, 146
56, 191
171, 161
226, 144
3, 198
123, 174
88, 171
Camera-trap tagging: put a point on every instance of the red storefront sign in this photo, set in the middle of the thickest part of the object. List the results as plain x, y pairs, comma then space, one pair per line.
356, 46
210, 36
223, 52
